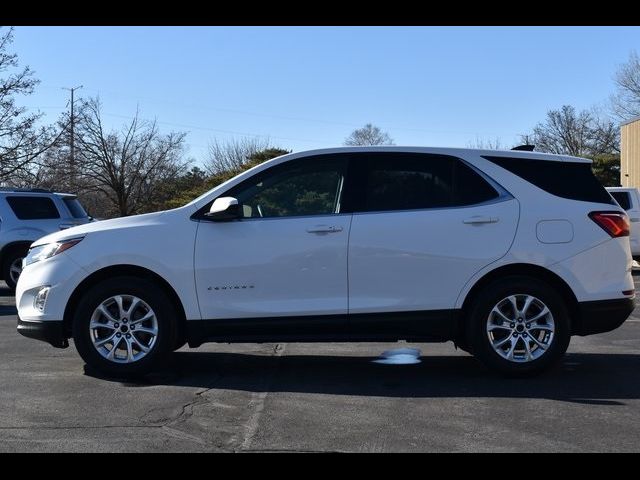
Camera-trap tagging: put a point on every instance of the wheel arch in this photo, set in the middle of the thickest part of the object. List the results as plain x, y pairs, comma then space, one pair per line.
11, 247
123, 270
18, 244
529, 270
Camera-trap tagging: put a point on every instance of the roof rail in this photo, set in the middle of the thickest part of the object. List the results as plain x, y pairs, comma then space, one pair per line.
524, 148
29, 190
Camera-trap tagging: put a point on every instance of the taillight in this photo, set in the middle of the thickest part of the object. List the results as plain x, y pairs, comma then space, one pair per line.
615, 224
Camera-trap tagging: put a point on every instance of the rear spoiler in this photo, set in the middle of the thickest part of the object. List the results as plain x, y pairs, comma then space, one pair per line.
525, 148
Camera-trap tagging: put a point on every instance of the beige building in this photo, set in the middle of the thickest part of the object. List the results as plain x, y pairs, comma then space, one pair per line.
630, 153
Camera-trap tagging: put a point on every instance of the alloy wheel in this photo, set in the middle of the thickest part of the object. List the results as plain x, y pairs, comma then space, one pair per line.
15, 269
123, 329
520, 328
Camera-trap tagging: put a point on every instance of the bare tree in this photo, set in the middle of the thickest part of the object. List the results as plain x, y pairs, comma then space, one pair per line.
488, 144
21, 141
584, 133
232, 155
126, 165
51, 169
368, 135
626, 101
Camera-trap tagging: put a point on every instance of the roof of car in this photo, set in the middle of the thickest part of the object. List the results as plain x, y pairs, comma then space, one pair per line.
445, 151
34, 191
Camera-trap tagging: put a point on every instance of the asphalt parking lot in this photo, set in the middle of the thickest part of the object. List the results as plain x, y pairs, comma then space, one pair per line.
307, 397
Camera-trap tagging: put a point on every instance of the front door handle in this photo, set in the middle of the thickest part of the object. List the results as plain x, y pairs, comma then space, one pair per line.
479, 219
324, 229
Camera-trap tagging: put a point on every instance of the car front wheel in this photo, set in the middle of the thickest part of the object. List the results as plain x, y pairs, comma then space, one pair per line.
124, 326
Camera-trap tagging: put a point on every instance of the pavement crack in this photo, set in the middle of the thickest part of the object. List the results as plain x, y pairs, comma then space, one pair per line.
257, 403
187, 409
79, 427
288, 450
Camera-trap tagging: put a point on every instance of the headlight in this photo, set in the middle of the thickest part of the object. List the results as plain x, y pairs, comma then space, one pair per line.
42, 252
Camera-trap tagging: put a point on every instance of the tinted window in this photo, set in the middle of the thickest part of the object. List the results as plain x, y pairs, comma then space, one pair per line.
74, 207
470, 188
570, 180
417, 181
33, 208
623, 199
310, 187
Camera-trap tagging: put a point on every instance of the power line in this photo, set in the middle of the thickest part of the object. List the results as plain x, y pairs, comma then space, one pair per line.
230, 132
284, 117
292, 118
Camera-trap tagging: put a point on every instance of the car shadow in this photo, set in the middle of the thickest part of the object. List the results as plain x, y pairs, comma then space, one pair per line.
6, 291
599, 379
6, 294
8, 310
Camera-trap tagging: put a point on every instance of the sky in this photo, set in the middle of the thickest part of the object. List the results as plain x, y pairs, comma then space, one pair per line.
309, 87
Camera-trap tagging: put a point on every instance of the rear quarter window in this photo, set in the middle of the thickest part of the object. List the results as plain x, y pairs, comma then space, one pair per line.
572, 180
623, 199
33, 208
75, 207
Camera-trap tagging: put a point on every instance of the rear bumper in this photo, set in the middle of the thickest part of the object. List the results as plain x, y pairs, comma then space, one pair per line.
602, 315
52, 332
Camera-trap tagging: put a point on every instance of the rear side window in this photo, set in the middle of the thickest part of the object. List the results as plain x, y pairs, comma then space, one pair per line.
469, 187
75, 207
33, 208
623, 199
406, 181
570, 180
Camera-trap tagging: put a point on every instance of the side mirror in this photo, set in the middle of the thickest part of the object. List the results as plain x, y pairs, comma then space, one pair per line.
224, 208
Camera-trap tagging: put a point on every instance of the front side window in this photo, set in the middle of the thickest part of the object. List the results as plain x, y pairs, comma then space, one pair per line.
297, 188
406, 181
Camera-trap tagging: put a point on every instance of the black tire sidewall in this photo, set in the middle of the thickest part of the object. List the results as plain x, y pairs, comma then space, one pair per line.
6, 267
144, 289
489, 298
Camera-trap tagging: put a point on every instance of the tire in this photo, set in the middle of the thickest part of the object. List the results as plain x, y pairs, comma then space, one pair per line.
9, 264
521, 347
159, 334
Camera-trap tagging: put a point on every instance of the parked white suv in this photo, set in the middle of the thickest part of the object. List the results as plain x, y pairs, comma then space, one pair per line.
506, 253
27, 214
629, 199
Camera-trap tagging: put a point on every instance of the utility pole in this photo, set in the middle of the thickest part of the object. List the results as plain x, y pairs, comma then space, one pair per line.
72, 121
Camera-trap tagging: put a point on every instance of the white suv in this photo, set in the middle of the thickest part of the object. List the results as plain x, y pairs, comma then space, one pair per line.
506, 253
27, 214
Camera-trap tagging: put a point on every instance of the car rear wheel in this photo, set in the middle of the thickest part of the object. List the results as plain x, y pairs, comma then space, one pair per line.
124, 326
519, 325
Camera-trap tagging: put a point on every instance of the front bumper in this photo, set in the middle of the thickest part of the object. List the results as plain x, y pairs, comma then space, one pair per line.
602, 315
61, 274
52, 332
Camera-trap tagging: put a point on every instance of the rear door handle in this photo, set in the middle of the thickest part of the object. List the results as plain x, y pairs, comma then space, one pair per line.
324, 229
478, 219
